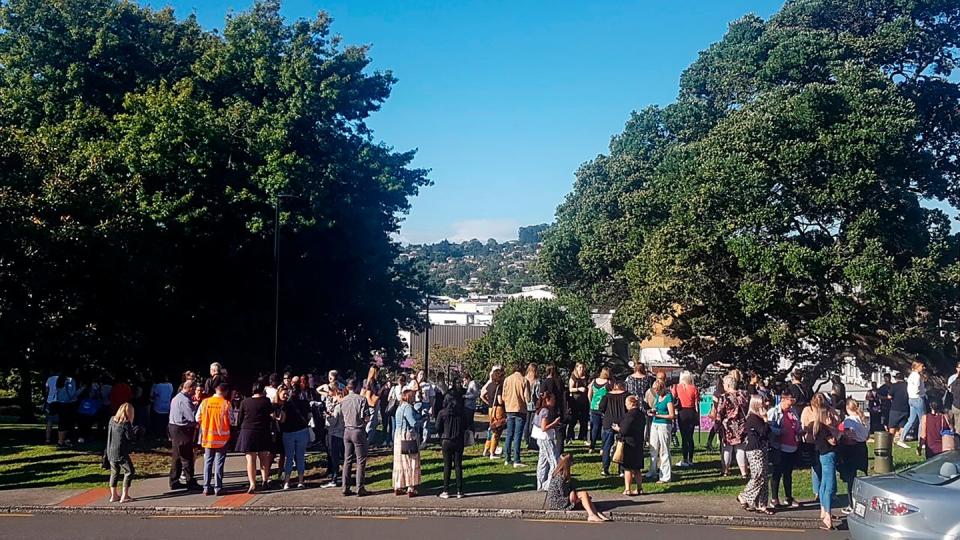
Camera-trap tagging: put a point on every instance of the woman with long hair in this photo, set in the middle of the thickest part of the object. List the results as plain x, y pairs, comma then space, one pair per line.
916, 392
688, 415
661, 415
825, 433
406, 454
551, 382
755, 495
853, 454
731, 415
120, 437
295, 433
932, 426
545, 422
578, 401
333, 419
561, 494
255, 419
631, 430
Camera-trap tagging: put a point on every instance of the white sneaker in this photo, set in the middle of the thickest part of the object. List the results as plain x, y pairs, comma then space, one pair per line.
902, 444
286, 486
518, 465
330, 484
681, 464
444, 495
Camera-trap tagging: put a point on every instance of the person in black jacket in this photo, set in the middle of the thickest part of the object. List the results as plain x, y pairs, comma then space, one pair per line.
451, 428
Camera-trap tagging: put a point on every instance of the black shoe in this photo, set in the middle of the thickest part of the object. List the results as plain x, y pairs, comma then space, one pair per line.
193, 486
362, 492
177, 486
347, 493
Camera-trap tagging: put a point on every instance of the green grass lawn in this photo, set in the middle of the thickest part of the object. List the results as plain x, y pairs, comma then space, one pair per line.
25, 461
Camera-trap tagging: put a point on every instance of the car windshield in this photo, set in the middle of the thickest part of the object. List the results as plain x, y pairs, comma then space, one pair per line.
937, 471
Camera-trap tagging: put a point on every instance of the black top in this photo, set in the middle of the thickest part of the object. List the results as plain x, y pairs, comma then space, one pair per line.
296, 414
899, 398
255, 414
210, 385
613, 406
839, 395
883, 393
556, 387
821, 443
758, 432
631, 428
450, 423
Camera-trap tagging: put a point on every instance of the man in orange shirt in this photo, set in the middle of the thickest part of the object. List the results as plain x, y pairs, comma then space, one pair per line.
516, 395
214, 434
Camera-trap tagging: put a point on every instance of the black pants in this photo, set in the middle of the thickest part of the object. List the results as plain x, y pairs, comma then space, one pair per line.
687, 421
579, 414
783, 463
452, 455
182, 439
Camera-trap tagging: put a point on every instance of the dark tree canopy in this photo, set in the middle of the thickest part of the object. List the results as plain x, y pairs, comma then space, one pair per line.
777, 208
140, 161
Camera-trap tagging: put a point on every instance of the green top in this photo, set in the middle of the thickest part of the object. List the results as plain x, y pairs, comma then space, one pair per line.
660, 406
598, 393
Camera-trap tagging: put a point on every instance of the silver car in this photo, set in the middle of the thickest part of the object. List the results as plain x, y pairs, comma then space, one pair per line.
922, 502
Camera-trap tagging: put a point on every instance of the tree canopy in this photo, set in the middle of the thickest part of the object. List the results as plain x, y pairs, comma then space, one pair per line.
778, 208
544, 332
141, 159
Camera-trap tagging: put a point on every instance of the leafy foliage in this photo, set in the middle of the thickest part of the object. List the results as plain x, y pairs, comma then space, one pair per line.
141, 159
776, 209
524, 330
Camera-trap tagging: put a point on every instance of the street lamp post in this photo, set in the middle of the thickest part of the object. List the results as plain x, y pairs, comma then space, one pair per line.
276, 277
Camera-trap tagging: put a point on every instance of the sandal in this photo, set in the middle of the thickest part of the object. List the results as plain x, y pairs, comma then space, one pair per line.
743, 505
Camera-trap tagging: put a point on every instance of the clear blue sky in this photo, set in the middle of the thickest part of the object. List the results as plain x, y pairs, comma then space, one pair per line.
503, 100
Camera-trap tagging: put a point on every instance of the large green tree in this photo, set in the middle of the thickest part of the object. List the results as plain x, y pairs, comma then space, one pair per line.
778, 208
141, 159
524, 330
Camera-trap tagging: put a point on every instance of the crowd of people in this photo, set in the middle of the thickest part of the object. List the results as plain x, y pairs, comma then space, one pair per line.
769, 430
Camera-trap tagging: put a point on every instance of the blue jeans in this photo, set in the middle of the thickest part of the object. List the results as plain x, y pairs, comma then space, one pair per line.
828, 480
609, 437
213, 461
514, 438
596, 424
916, 412
334, 458
295, 448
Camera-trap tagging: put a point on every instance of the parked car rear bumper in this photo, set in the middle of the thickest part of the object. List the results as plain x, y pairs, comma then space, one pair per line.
860, 529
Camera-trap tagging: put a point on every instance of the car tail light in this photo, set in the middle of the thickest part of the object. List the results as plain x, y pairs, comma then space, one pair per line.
891, 507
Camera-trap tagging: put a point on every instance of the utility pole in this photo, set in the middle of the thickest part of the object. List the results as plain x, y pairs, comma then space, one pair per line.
426, 343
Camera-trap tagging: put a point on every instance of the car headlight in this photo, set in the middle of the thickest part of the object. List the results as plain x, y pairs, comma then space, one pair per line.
891, 507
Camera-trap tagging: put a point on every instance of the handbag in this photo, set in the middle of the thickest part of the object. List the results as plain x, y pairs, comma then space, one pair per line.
105, 461
618, 452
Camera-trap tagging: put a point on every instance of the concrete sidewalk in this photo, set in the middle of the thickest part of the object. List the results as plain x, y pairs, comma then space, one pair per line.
153, 497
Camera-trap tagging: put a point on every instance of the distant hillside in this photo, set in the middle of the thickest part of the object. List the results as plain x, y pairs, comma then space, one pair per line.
456, 269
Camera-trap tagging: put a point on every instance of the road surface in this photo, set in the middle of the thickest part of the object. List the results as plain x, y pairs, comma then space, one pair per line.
55, 526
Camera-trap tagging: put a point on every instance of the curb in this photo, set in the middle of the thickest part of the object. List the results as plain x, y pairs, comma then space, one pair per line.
628, 517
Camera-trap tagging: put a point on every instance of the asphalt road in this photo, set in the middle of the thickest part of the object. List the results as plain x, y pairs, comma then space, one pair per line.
57, 526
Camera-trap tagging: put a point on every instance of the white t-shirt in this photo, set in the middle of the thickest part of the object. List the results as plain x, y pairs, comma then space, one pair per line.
161, 394
915, 386
538, 418
427, 393
270, 392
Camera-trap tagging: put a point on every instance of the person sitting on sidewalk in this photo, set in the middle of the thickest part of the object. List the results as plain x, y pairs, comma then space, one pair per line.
214, 419
561, 494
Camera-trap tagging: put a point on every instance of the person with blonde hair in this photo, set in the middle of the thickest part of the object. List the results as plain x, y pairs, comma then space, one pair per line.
916, 391
853, 455
661, 414
823, 429
755, 494
120, 436
731, 414
631, 431
687, 399
561, 494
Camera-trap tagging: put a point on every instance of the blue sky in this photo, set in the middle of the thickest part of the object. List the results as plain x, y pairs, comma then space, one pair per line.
504, 100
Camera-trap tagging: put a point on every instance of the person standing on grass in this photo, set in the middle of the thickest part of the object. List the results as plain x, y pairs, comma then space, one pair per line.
426, 394
255, 420
355, 417
160, 395
784, 421
883, 394
687, 398
597, 389
214, 420
852, 450
916, 391
932, 426
631, 431
731, 415
755, 495
552, 383
899, 407
498, 421
120, 437
579, 403
533, 378
182, 429
951, 399
295, 435
63, 406
334, 424
406, 451
613, 406
471, 393
874, 408
662, 415
516, 395
451, 429
826, 435
561, 494
545, 423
